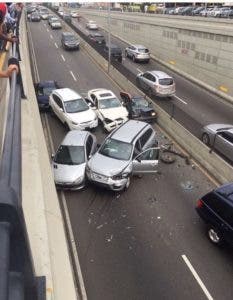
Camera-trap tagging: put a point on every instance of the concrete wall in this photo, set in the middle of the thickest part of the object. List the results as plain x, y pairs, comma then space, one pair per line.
203, 50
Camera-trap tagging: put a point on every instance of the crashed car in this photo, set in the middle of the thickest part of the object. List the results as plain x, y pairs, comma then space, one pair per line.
109, 108
138, 107
97, 38
43, 90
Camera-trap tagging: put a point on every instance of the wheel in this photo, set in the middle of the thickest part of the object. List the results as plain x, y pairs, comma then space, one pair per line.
214, 235
134, 58
205, 139
126, 54
127, 184
150, 93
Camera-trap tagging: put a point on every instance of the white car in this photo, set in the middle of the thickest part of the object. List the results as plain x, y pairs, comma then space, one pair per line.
74, 14
108, 107
91, 25
72, 109
61, 12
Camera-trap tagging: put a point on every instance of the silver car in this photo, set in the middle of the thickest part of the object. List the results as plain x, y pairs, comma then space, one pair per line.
130, 149
220, 137
70, 160
137, 53
156, 83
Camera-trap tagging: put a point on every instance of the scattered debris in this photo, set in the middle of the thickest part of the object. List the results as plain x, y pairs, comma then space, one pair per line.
193, 167
92, 260
158, 217
187, 185
167, 158
110, 238
89, 220
152, 199
100, 226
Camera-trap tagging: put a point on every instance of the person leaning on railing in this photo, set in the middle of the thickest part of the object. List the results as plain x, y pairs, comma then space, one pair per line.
11, 68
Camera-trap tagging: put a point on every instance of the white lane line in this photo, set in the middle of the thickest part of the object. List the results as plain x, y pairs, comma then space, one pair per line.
72, 74
181, 100
63, 57
47, 30
139, 70
56, 45
198, 279
44, 25
51, 36
68, 222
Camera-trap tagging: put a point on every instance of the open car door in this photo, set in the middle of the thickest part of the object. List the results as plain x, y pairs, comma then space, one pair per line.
147, 161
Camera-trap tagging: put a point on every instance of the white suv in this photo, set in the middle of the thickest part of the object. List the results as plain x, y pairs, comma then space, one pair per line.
91, 25
72, 109
108, 107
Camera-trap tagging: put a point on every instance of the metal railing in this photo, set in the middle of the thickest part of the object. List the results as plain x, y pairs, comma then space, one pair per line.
17, 277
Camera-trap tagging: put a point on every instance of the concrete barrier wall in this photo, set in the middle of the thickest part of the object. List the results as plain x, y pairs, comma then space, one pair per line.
43, 217
205, 53
215, 165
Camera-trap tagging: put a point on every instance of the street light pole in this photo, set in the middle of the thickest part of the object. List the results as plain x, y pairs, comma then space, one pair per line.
109, 39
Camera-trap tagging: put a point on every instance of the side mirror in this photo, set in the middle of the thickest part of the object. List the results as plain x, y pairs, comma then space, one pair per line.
89, 156
138, 159
52, 156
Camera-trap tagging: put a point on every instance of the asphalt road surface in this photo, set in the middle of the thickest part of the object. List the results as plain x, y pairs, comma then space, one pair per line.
147, 243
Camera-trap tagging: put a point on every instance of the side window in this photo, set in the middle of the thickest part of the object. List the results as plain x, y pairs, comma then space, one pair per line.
227, 136
89, 145
57, 100
146, 75
137, 149
145, 137
150, 154
151, 78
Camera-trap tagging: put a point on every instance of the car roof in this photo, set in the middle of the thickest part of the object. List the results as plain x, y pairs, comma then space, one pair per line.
160, 74
46, 83
112, 46
75, 138
67, 94
226, 191
129, 130
139, 46
99, 92
68, 33
96, 34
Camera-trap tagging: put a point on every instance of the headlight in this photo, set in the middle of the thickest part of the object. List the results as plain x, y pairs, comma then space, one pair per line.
153, 114
78, 180
107, 121
120, 176
74, 123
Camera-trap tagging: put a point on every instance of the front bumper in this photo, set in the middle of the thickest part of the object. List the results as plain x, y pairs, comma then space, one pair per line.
110, 126
149, 119
142, 58
71, 47
56, 26
106, 182
83, 126
71, 185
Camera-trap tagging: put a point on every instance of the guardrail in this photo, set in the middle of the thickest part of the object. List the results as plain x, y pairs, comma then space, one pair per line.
17, 278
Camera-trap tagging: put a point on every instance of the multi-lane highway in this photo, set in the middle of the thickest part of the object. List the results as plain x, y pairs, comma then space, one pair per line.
147, 243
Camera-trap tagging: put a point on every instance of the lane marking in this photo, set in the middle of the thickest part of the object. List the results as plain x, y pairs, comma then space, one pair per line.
47, 30
51, 36
44, 24
72, 74
63, 57
56, 45
181, 100
198, 279
139, 70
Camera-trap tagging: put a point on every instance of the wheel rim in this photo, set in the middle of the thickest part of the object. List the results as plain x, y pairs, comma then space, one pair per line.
127, 183
126, 54
205, 139
213, 235
133, 58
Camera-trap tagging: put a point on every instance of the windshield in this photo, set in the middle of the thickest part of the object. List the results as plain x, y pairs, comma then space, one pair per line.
70, 155
54, 19
109, 103
116, 149
166, 81
140, 103
143, 50
70, 38
76, 105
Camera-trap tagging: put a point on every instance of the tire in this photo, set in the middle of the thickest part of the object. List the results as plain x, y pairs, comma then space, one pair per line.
150, 93
214, 235
134, 58
126, 54
127, 184
205, 139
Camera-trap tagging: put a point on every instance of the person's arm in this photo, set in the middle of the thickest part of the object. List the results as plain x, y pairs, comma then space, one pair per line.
7, 38
7, 73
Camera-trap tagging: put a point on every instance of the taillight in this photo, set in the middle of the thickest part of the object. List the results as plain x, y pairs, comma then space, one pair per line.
200, 203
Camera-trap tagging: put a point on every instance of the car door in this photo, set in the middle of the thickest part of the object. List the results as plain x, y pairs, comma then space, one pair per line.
144, 80
224, 143
146, 162
58, 107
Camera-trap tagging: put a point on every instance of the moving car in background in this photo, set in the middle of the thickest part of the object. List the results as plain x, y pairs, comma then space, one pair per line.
156, 83
97, 38
74, 14
69, 41
130, 149
115, 52
43, 90
220, 137
137, 53
72, 110
138, 107
108, 107
198, 10
60, 12
35, 17
55, 23
91, 25
216, 210
44, 13
70, 160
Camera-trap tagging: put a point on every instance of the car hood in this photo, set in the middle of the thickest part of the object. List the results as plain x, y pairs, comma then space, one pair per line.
144, 110
83, 116
68, 173
114, 113
106, 166
43, 99
215, 127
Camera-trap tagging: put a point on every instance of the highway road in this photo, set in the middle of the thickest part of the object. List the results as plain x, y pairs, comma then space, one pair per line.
147, 243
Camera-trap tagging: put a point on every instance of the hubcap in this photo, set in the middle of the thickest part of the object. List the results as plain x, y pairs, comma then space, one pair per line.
214, 236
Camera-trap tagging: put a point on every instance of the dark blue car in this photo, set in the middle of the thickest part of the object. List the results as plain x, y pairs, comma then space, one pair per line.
43, 90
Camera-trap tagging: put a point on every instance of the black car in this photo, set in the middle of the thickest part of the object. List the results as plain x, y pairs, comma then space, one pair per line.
115, 51
35, 17
138, 107
97, 38
67, 18
69, 41
43, 90
216, 209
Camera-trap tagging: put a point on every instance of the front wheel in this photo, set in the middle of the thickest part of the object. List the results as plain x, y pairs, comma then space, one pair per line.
126, 54
127, 184
134, 59
150, 93
205, 139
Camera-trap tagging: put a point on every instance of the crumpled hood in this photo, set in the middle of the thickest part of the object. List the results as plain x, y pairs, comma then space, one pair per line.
106, 166
114, 113
83, 116
68, 173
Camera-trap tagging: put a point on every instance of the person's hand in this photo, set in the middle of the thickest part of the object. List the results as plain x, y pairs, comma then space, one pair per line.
11, 69
13, 39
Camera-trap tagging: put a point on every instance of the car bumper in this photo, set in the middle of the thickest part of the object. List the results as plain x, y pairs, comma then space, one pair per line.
165, 94
108, 182
149, 119
72, 47
110, 126
44, 106
142, 58
70, 185
83, 126
56, 26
